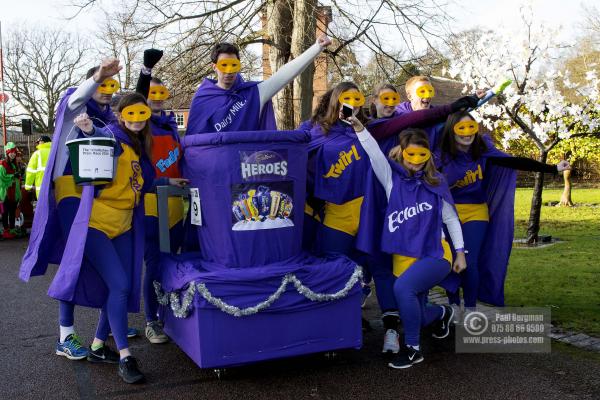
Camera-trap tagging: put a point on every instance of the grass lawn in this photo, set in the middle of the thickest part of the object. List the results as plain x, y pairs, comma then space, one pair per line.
564, 276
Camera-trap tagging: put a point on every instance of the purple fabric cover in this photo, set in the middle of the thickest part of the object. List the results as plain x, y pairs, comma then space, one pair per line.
216, 164
292, 325
215, 109
245, 287
498, 189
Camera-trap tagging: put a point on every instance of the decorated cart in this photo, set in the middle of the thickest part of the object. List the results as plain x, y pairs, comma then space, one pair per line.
250, 293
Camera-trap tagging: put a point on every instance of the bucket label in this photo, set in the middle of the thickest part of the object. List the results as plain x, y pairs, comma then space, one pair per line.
96, 161
266, 205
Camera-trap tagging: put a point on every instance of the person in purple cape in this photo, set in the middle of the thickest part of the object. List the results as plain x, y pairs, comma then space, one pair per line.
420, 92
111, 220
482, 183
230, 103
166, 159
59, 197
418, 205
338, 170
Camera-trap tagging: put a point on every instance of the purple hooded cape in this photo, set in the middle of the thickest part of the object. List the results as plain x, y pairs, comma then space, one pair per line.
434, 132
215, 109
76, 280
499, 184
374, 211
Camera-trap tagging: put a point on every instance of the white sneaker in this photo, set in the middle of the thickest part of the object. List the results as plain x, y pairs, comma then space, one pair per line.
390, 342
458, 314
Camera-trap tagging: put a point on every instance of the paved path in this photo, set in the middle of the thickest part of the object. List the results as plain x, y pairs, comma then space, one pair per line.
30, 370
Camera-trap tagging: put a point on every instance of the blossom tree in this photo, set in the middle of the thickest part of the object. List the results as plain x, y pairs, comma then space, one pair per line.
533, 106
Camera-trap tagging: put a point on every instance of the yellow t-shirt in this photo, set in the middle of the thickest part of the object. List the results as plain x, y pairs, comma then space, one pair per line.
64, 186
343, 217
472, 212
112, 210
175, 205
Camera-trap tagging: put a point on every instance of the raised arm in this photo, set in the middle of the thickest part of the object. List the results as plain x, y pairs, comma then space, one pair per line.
289, 71
527, 164
421, 118
151, 57
85, 91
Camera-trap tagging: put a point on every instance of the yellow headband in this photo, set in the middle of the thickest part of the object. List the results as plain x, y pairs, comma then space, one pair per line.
416, 155
109, 86
389, 98
425, 91
228, 65
466, 128
158, 93
136, 113
352, 97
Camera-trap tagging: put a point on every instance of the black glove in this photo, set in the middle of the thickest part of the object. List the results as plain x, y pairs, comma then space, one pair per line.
151, 57
464, 102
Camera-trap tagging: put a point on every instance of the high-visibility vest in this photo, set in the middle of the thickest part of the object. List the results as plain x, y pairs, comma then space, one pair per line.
36, 167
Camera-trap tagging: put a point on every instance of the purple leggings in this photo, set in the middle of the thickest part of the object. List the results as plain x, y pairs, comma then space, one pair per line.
411, 289
113, 260
474, 233
67, 208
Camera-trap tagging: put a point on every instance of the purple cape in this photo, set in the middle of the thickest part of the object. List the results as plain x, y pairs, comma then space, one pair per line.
499, 184
335, 180
215, 109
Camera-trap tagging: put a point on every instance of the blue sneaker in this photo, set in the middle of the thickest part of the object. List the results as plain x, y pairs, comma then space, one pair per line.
131, 332
71, 348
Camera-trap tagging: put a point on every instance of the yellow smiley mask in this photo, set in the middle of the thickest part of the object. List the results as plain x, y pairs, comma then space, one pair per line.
228, 65
425, 91
109, 86
389, 99
136, 113
352, 98
158, 93
466, 128
416, 155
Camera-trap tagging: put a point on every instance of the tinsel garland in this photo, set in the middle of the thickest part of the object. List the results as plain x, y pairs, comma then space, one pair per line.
182, 307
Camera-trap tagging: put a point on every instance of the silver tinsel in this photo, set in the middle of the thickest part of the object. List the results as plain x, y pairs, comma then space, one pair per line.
181, 309
161, 297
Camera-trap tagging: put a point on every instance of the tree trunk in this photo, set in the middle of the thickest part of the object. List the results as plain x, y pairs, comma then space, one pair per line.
565, 199
279, 24
533, 226
303, 36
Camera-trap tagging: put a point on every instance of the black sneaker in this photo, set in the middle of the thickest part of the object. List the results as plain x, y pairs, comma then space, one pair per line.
103, 355
441, 329
406, 358
129, 371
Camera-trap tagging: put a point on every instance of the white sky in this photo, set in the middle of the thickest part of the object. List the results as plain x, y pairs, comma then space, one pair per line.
468, 13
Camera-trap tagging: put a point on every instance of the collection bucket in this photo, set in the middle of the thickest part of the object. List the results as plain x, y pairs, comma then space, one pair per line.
92, 160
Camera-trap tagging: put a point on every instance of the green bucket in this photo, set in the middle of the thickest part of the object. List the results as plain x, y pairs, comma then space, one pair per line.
92, 160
